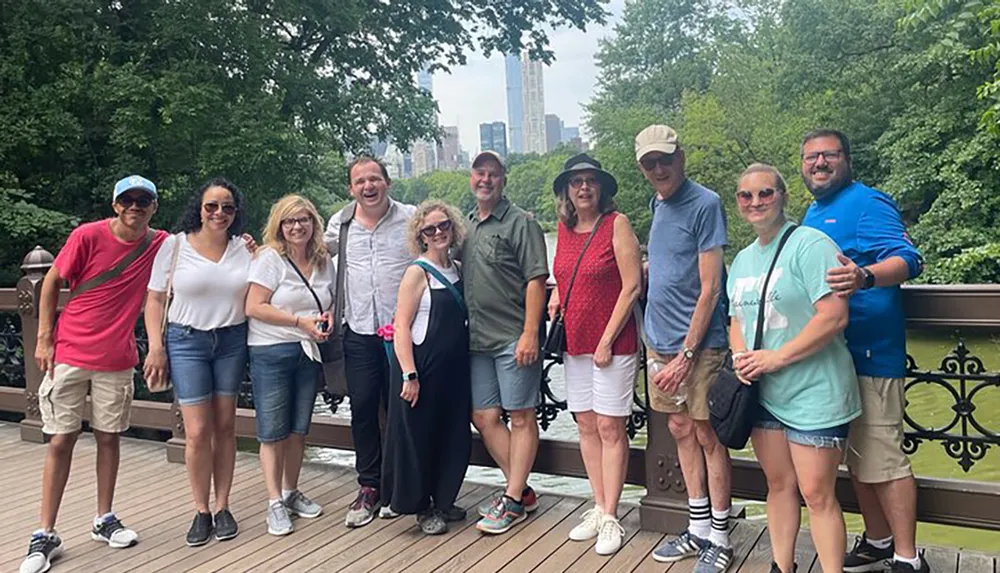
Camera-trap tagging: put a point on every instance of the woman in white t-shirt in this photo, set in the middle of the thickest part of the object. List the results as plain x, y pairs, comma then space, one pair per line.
206, 343
291, 292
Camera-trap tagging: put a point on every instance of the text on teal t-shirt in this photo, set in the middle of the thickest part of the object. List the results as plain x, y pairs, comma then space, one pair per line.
821, 390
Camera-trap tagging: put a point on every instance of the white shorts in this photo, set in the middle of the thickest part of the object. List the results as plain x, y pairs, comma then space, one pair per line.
606, 391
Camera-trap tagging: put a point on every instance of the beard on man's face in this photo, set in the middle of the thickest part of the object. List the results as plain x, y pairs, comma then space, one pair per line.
835, 181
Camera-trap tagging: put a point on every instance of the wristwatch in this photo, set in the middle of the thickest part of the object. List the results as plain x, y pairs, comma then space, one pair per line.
687, 353
409, 376
869, 280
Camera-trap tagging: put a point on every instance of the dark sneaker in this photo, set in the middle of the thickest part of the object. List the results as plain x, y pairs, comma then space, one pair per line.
225, 525
683, 546
502, 516
431, 522
453, 514
714, 559
362, 511
42, 550
528, 498
900, 567
866, 557
111, 531
201, 529
776, 569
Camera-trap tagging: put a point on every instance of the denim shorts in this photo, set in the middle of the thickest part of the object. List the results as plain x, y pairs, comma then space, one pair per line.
835, 437
498, 382
206, 363
284, 390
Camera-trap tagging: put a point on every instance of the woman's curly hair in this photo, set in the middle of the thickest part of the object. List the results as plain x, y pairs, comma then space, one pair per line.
190, 219
415, 243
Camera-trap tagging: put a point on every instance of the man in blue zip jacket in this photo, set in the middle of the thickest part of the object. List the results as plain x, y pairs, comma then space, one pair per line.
877, 257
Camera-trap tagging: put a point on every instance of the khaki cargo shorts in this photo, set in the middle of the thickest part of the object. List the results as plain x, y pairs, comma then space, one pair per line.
707, 365
62, 397
875, 441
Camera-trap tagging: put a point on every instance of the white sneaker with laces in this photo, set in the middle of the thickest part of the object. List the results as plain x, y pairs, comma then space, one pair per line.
610, 536
589, 525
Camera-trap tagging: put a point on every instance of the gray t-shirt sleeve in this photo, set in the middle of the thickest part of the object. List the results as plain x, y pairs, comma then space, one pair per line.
711, 224
530, 249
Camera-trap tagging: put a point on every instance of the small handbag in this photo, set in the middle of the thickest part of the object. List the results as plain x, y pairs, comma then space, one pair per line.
555, 338
732, 405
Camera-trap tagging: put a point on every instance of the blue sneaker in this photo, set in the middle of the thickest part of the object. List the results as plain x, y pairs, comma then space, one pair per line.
714, 559
684, 546
503, 515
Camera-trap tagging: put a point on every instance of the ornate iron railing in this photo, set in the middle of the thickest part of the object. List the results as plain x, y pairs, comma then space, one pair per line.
963, 376
11, 351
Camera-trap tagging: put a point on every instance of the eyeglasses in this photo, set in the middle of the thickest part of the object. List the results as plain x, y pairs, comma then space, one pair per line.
431, 230
578, 182
650, 163
302, 222
212, 207
765, 195
140, 201
829, 156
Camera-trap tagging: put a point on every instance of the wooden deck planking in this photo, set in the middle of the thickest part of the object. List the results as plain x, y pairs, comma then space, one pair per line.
153, 497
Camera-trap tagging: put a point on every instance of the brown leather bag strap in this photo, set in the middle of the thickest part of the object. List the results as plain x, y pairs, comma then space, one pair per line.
115, 271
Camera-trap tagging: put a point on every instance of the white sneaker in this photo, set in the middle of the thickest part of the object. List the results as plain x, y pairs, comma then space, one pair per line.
44, 547
589, 525
609, 536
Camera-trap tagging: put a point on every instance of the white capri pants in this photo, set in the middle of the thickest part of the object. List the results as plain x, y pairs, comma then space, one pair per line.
606, 391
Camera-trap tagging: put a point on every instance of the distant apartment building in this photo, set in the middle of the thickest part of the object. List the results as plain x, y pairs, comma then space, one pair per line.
423, 158
569, 132
533, 88
493, 137
553, 131
515, 102
448, 149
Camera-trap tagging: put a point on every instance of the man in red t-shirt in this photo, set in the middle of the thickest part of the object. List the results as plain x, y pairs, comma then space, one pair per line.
92, 349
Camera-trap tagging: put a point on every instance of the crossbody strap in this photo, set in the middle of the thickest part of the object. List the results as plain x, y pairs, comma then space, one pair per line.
170, 279
447, 283
759, 337
116, 270
572, 279
319, 305
340, 290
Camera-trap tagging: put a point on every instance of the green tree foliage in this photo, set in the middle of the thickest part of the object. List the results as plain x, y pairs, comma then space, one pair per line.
270, 93
770, 71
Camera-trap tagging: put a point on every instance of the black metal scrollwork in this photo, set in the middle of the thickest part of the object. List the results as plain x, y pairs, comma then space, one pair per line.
962, 376
11, 351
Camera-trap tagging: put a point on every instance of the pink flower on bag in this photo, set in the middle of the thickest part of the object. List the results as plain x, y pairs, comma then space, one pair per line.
386, 332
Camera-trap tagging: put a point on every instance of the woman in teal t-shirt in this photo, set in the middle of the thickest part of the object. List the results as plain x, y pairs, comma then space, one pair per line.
808, 388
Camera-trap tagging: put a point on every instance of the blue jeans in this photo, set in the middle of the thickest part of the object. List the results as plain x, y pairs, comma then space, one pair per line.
834, 437
206, 363
284, 390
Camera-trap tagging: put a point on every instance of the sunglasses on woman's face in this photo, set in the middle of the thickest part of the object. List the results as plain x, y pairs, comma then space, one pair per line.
431, 230
765, 195
212, 207
140, 201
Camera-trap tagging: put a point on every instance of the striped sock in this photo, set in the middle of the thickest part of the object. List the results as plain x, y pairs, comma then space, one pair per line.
720, 527
699, 517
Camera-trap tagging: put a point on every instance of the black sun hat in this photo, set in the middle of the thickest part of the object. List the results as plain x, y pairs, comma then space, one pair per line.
584, 162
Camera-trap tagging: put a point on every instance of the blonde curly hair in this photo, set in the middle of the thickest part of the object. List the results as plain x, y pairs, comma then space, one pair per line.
415, 243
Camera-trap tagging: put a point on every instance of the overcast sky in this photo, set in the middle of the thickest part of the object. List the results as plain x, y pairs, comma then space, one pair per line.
476, 92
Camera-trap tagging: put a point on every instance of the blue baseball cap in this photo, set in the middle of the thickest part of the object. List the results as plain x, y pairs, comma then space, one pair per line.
134, 182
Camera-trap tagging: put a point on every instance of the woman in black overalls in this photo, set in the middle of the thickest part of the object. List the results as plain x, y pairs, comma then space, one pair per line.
428, 438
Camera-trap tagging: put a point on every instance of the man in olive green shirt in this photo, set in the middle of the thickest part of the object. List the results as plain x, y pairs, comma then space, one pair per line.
504, 271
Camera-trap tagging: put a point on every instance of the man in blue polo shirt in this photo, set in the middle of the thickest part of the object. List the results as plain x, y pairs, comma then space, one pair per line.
877, 257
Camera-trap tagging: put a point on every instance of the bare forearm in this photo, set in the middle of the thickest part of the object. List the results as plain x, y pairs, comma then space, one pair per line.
890, 272
534, 303
818, 332
402, 343
272, 315
153, 319
620, 314
701, 318
47, 305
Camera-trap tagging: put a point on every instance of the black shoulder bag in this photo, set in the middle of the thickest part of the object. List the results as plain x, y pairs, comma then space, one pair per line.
732, 405
555, 339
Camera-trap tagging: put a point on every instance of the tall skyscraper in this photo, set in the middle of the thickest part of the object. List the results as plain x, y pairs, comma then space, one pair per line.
553, 131
493, 137
447, 156
515, 103
423, 158
533, 89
